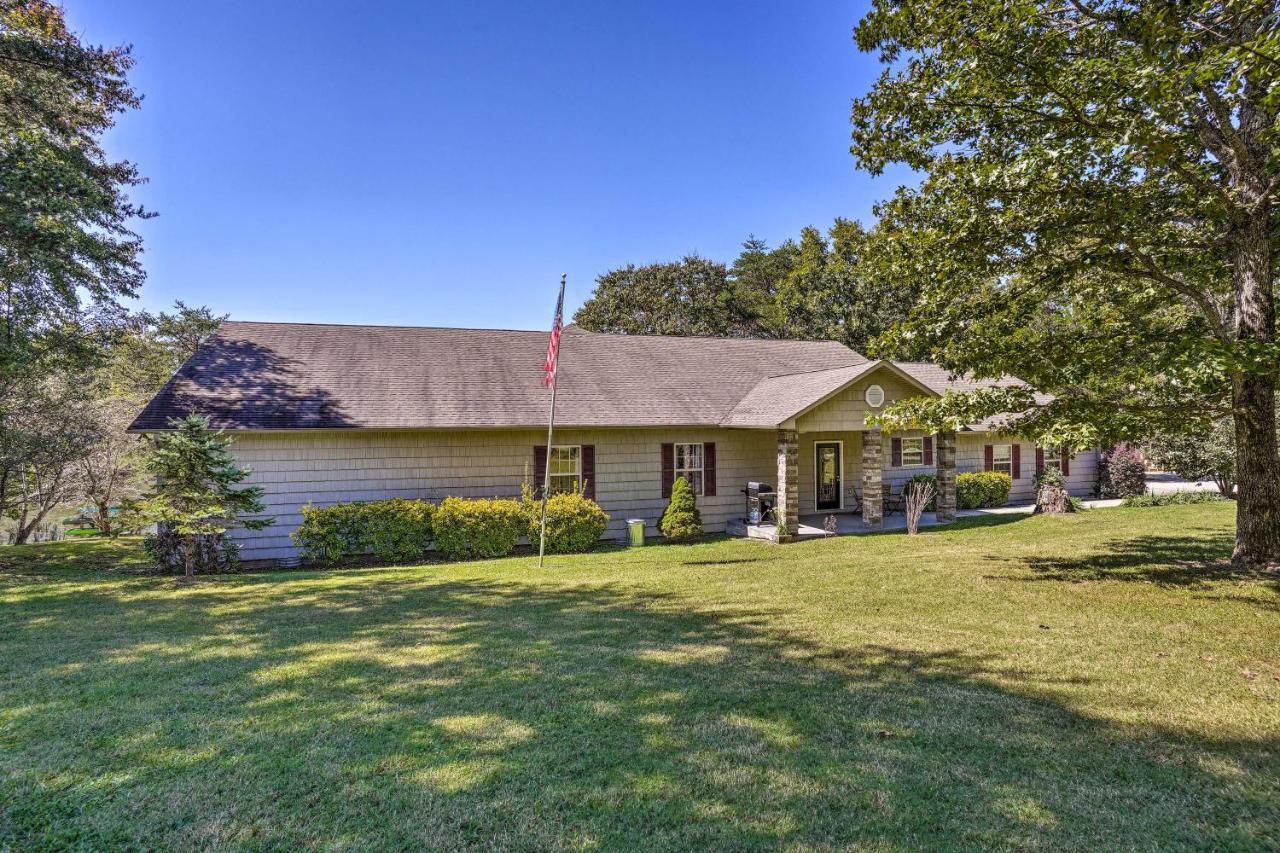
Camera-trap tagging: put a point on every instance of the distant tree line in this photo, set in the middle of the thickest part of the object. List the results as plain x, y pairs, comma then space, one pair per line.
811, 288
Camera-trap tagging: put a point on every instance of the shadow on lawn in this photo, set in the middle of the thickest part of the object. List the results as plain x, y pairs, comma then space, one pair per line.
395, 712
1197, 559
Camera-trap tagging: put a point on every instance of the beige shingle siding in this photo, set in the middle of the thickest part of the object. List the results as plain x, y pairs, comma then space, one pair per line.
848, 409
326, 467
331, 466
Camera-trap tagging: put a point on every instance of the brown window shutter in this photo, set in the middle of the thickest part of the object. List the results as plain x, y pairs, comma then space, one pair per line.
895, 456
589, 470
1066, 463
1039, 461
539, 467
709, 469
668, 468
988, 457
928, 450
1017, 461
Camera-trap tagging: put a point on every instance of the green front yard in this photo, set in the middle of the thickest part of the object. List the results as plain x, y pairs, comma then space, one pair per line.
1010, 682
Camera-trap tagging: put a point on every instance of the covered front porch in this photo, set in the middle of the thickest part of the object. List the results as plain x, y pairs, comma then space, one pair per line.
834, 498
832, 460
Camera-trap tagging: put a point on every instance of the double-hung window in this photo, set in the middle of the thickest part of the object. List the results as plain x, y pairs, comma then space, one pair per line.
1053, 459
912, 451
1002, 458
566, 469
689, 464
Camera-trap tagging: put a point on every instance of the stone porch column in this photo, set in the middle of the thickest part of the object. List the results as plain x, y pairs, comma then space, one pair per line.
872, 477
788, 508
945, 456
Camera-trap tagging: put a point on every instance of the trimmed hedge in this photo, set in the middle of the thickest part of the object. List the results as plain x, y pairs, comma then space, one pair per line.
1173, 498
394, 530
575, 523
467, 528
975, 489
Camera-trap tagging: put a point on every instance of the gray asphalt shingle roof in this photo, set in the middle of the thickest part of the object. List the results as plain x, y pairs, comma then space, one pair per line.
268, 376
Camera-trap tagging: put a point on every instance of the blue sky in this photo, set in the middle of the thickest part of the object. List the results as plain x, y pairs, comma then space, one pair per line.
441, 163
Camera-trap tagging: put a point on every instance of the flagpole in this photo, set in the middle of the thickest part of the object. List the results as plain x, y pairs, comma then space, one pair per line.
551, 429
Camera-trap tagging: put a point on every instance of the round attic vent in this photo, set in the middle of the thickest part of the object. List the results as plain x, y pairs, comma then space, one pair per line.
875, 396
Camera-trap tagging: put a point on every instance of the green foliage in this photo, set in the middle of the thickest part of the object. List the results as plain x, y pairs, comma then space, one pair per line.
1207, 455
1088, 219
467, 528
393, 530
1050, 477
1173, 498
195, 500
811, 290
693, 296
575, 523
682, 521
1122, 472
975, 489
64, 213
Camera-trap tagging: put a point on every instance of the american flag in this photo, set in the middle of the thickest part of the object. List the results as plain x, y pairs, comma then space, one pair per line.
553, 347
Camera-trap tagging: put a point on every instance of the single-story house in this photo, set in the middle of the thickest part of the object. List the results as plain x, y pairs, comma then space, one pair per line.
330, 413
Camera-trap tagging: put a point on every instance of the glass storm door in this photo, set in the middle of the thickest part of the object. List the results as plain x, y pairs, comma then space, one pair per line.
828, 464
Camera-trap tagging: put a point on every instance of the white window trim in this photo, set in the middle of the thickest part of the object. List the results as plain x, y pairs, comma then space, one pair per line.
702, 455
1052, 458
817, 480
577, 447
995, 461
905, 463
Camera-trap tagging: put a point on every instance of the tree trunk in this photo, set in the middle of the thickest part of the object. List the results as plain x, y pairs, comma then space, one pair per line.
103, 521
27, 524
1254, 395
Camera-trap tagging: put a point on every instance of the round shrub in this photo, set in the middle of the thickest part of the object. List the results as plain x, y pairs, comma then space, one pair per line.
394, 530
467, 528
1122, 472
681, 521
975, 489
398, 529
327, 534
575, 523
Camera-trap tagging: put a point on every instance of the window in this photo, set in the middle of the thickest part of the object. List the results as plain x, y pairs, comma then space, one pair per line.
689, 465
1002, 458
1053, 459
566, 469
912, 451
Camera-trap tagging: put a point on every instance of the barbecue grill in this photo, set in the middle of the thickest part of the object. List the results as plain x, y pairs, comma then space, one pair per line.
761, 499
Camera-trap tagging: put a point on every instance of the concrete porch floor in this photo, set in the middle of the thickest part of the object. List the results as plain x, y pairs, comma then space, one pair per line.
849, 523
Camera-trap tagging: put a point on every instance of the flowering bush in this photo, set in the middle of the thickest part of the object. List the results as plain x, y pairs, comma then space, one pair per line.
1122, 472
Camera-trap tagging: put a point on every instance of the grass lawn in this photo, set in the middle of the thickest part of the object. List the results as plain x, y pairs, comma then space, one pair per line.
1093, 681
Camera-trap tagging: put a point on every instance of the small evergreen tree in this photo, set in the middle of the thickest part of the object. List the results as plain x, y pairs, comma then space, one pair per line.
195, 502
681, 521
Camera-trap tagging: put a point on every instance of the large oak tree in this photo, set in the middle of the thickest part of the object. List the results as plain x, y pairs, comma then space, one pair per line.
1097, 214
